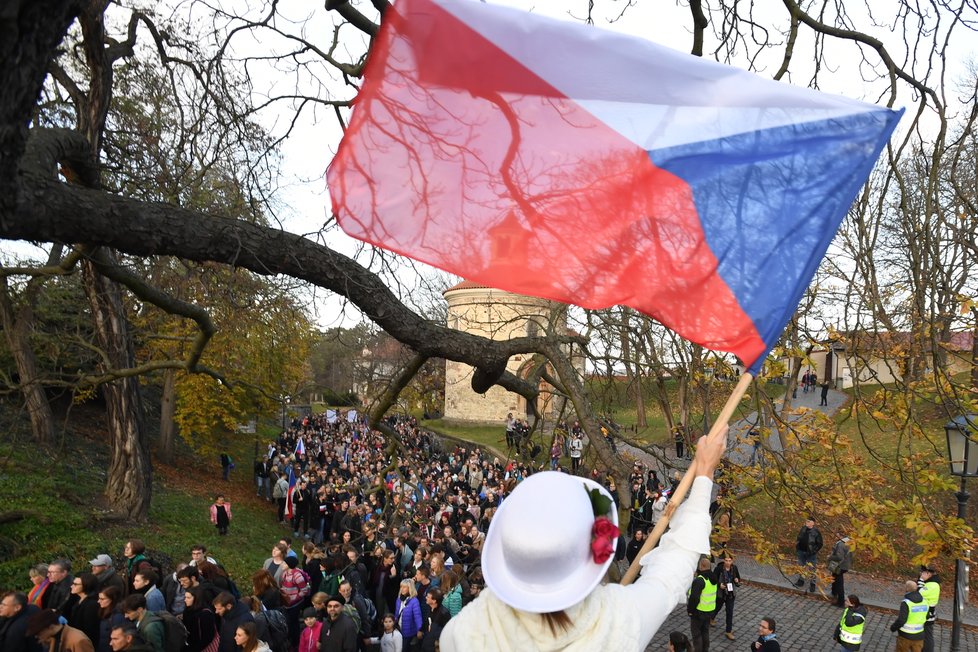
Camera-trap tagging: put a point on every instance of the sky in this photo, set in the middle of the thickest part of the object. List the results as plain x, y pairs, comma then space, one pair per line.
303, 196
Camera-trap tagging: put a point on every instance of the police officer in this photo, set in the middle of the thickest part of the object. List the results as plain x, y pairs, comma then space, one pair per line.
701, 604
929, 585
849, 631
909, 624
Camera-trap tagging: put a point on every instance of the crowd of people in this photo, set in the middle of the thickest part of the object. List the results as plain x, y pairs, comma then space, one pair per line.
387, 544
385, 549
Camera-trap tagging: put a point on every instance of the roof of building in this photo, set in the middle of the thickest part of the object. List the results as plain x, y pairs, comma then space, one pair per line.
468, 285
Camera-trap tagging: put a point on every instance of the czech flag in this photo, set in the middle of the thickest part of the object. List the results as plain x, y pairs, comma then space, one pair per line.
289, 503
300, 448
561, 161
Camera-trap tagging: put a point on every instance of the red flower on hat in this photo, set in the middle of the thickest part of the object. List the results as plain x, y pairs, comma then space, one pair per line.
603, 535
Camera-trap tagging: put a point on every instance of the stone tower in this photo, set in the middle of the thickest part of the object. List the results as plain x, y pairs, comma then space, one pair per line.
498, 315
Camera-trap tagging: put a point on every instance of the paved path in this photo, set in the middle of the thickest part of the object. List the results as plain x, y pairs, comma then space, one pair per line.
805, 624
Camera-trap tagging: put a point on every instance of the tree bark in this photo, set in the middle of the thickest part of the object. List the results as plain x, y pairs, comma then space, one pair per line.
17, 326
168, 407
129, 482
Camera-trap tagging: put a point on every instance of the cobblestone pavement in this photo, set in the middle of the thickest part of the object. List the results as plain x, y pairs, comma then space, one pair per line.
804, 624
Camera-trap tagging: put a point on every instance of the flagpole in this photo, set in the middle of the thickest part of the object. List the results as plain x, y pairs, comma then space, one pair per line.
677, 497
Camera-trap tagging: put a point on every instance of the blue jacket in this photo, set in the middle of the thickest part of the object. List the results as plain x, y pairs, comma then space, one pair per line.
410, 619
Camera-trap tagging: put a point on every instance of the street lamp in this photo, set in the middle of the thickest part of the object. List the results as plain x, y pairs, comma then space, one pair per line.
962, 453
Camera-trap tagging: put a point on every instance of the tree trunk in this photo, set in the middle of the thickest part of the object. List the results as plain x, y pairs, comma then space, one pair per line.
17, 326
168, 407
129, 483
633, 378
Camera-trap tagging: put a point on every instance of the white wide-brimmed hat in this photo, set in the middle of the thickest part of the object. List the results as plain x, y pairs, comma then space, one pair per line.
537, 553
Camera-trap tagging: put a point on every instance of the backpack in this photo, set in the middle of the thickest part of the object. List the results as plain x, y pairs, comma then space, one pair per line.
350, 610
371, 611
278, 629
295, 586
174, 632
331, 584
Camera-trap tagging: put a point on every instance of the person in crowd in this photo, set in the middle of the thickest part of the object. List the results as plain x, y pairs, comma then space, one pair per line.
546, 551
849, 631
125, 638
728, 580
148, 624
201, 622
104, 571
144, 583
246, 638
221, 514
678, 642
39, 579
807, 544
767, 639
263, 587
85, 613
390, 640
407, 612
929, 586
233, 614
198, 553
280, 492
135, 553
173, 591
58, 596
15, 612
309, 639
910, 621
110, 615
435, 622
839, 563
275, 565
701, 605
339, 632
46, 627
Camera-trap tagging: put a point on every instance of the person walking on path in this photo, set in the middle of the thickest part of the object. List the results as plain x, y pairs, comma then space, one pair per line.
909, 624
840, 562
849, 631
807, 545
701, 605
767, 640
576, 451
929, 586
728, 579
824, 400
221, 514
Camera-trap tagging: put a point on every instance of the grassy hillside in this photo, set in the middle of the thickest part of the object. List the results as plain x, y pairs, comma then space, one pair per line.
59, 492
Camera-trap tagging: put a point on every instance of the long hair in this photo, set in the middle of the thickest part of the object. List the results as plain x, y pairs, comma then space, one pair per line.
679, 642
114, 594
557, 620
251, 631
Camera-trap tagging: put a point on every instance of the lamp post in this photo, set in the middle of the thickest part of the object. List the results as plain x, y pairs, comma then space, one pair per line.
962, 449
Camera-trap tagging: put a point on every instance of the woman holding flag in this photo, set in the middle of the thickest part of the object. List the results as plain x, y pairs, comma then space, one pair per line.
547, 550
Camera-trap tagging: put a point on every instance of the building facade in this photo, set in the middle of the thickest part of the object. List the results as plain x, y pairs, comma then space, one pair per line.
498, 315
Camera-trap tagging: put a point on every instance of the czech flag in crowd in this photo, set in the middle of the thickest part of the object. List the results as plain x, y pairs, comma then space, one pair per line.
300, 448
557, 160
289, 503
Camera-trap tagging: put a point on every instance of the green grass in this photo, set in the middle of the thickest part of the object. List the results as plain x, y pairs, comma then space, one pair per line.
60, 493
491, 436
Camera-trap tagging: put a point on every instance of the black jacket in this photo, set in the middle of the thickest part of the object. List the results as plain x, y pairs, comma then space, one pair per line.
229, 623
696, 590
809, 540
913, 596
12, 632
338, 635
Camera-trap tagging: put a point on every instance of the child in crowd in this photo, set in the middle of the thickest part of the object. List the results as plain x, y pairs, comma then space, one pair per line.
221, 515
309, 639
